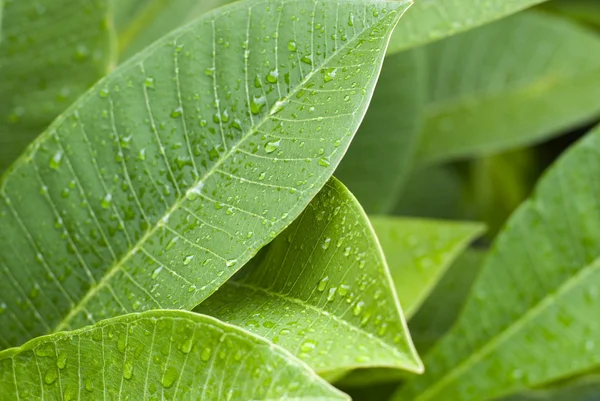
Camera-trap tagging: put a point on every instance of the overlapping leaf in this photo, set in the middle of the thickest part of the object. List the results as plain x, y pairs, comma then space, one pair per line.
322, 291
157, 355
51, 52
419, 252
141, 22
379, 159
535, 298
436, 192
442, 307
430, 20
585, 11
509, 84
583, 388
168, 176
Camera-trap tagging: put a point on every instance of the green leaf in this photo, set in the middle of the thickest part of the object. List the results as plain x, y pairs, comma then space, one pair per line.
491, 90
160, 354
379, 159
584, 11
168, 176
434, 192
442, 307
323, 291
419, 252
430, 20
431, 321
584, 388
498, 185
1, 9
51, 52
536, 293
142, 22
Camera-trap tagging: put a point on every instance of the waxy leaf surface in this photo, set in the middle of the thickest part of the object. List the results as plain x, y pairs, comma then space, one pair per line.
171, 173
323, 291
164, 354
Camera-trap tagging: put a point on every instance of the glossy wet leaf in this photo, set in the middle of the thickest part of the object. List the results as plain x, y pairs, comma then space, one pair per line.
431, 321
322, 291
513, 83
379, 159
442, 300
167, 177
430, 20
159, 354
419, 252
141, 22
537, 292
50, 53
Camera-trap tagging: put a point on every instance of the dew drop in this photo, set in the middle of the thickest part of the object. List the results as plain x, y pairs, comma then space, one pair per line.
324, 162
323, 283
50, 376
358, 308
169, 377
188, 259
292, 46
178, 112
205, 355
61, 362
307, 60
56, 160
308, 346
128, 370
107, 201
273, 76
149, 82
257, 104
272, 146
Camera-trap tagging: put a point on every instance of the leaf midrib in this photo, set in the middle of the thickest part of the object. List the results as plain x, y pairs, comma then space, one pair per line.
177, 204
508, 332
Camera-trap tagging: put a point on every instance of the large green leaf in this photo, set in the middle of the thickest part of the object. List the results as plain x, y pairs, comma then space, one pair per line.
378, 161
431, 20
322, 288
419, 252
509, 84
535, 298
160, 354
168, 176
141, 22
51, 52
